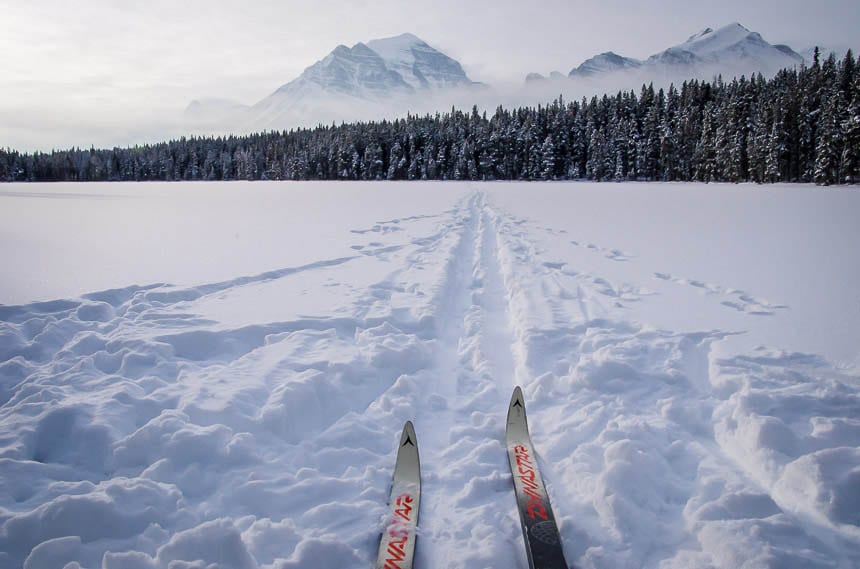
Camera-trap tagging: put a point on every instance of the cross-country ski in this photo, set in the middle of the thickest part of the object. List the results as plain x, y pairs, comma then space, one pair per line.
397, 546
540, 532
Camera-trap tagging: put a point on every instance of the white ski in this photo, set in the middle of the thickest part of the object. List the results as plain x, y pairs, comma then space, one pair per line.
397, 547
542, 540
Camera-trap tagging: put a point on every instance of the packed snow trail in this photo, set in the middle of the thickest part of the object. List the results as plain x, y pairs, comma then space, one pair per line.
252, 422
467, 493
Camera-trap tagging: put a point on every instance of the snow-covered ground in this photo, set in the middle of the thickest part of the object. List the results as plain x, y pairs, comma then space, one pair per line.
689, 356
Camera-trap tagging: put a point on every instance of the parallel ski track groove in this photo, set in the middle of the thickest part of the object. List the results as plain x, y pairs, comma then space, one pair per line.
474, 372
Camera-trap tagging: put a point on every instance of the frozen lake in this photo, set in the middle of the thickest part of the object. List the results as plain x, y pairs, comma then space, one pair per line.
217, 373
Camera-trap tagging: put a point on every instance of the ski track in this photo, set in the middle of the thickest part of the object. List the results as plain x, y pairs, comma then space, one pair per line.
467, 488
271, 444
602, 460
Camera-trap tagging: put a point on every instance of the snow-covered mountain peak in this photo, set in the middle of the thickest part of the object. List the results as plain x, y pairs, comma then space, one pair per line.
374, 72
395, 44
379, 68
339, 54
419, 64
733, 47
730, 50
698, 35
355, 71
398, 49
710, 41
605, 62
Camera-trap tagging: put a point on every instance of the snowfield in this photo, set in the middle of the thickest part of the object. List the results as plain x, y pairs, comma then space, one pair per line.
216, 375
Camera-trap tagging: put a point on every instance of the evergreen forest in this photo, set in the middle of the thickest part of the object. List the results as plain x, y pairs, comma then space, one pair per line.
803, 125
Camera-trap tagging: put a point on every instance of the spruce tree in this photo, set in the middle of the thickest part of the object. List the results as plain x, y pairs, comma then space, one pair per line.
851, 142
548, 158
827, 155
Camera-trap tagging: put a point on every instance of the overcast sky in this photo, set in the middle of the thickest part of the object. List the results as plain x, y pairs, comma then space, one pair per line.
102, 65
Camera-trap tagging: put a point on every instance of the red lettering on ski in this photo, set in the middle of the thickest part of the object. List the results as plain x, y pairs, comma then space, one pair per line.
404, 509
535, 502
398, 531
396, 548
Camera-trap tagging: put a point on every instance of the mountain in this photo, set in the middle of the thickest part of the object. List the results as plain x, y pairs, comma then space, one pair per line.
604, 63
420, 65
357, 71
730, 50
365, 74
537, 77
730, 44
210, 109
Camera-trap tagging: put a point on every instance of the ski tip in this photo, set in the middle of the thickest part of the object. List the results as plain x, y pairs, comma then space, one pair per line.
517, 408
408, 437
517, 397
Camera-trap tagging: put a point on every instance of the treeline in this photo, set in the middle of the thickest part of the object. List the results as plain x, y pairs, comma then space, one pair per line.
801, 126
